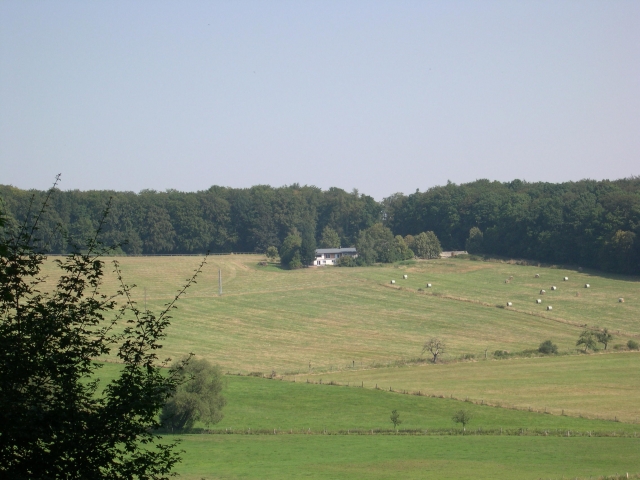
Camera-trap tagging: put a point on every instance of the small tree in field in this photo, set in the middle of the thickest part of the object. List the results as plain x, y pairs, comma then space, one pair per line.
604, 337
272, 253
395, 419
199, 397
587, 339
435, 346
463, 417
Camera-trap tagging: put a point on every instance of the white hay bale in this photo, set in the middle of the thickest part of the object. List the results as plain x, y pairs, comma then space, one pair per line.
549, 307
405, 276
586, 285
542, 292
553, 288
621, 300
537, 275
509, 304
566, 279
539, 300
392, 282
428, 285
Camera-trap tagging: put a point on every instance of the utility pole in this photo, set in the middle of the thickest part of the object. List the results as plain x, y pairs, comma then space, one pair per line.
219, 282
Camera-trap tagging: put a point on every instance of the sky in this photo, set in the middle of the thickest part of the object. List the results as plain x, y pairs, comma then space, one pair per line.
381, 96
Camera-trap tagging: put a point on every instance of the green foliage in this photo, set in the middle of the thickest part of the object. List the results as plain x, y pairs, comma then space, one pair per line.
500, 353
604, 337
290, 255
587, 340
272, 253
308, 247
330, 238
55, 419
548, 347
376, 244
395, 418
475, 240
633, 345
463, 417
346, 261
426, 245
198, 398
403, 252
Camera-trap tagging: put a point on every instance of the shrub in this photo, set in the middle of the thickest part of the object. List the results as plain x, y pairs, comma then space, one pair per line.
346, 261
468, 356
500, 353
633, 345
547, 347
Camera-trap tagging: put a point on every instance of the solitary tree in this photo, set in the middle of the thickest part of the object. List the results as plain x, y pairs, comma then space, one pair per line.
588, 340
199, 397
435, 346
395, 419
604, 337
55, 420
463, 417
272, 253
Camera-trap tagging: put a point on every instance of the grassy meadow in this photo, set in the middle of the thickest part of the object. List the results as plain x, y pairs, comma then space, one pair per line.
328, 318
350, 325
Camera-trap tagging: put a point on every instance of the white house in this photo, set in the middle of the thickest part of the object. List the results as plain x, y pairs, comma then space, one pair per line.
330, 256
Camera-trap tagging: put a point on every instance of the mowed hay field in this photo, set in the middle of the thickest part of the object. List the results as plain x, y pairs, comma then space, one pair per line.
330, 318
602, 386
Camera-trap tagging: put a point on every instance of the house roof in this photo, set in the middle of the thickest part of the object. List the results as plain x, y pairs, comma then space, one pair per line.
335, 250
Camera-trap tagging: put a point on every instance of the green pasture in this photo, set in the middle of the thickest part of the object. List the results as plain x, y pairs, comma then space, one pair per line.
391, 456
595, 386
324, 319
265, 404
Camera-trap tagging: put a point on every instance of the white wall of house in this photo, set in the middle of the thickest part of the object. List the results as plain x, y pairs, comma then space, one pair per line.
331, 258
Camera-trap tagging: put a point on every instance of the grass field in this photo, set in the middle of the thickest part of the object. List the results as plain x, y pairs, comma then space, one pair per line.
596, 386
336, 324
270, 319
389, 456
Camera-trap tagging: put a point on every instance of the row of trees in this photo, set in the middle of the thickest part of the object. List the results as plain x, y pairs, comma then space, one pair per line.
588, 223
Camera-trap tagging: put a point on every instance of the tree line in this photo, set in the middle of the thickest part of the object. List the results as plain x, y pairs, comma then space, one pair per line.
589, 223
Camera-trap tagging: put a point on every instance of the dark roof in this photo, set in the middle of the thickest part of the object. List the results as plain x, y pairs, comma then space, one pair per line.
335, 250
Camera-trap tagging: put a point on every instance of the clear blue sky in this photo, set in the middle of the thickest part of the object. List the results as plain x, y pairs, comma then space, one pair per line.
384, 97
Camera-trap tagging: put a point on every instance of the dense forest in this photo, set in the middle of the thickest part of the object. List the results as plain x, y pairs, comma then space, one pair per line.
588, 223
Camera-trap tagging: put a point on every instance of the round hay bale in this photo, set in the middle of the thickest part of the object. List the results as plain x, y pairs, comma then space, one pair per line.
542, 292
621, 300
549, 307
506, 281
428, 285
539, 300
566, 279
392, 282
553, 288
509, 304
405, 276
537, 275
586, 285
